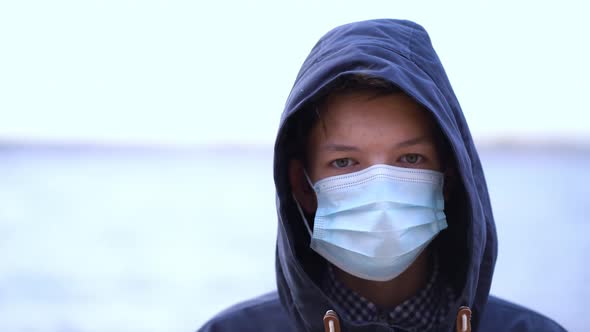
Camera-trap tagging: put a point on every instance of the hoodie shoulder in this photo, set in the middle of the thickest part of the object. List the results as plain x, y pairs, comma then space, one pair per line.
501, 315
263, 313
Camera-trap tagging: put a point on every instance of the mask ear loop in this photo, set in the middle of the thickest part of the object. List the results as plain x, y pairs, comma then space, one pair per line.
299, 206
302, 215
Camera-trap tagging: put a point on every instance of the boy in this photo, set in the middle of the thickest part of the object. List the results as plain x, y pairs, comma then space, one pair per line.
385, 222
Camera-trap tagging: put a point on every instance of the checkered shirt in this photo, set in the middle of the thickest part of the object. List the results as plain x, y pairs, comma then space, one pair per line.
422, 312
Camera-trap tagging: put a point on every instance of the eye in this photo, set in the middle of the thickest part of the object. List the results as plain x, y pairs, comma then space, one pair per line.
411, 158
342, 163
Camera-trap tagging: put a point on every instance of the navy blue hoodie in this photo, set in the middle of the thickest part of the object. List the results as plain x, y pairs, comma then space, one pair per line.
399, 52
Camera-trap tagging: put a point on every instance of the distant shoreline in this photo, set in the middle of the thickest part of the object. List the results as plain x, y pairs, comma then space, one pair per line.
62, 145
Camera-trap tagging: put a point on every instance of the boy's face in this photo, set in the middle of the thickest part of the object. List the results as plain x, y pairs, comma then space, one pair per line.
356, 131
359, 130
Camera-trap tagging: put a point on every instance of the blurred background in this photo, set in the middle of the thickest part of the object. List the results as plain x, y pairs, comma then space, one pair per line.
136, 150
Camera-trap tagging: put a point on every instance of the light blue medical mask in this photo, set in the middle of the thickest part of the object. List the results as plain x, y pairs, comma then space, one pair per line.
374, 223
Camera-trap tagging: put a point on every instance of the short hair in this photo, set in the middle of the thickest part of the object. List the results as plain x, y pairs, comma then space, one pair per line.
305, 119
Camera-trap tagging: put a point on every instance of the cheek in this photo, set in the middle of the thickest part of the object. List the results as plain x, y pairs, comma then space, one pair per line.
317, 172
433, 155
436, 165
311, 165
439, 160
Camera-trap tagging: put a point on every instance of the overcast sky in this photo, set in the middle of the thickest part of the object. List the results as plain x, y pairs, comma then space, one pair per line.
214, 72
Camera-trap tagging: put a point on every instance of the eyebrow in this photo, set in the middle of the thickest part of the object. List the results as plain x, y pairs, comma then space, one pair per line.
346, 148
339, 147
414, 141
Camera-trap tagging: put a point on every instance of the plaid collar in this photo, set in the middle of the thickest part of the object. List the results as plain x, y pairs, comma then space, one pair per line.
422, 312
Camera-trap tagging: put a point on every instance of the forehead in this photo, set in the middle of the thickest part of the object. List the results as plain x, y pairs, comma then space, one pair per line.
368, 116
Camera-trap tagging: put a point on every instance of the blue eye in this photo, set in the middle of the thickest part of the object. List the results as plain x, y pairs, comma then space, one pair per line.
342, 163
411, 158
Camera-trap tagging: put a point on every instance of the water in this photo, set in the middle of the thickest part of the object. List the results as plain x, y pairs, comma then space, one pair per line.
160, 240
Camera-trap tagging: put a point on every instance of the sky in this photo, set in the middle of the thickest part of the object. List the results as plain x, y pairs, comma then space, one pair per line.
219, 72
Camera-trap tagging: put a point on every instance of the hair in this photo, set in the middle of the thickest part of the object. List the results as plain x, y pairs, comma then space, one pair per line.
309, 115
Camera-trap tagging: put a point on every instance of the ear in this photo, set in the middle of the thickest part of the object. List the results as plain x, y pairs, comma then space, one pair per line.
303, 192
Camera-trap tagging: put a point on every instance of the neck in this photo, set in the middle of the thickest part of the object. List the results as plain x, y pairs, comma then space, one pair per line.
388, 294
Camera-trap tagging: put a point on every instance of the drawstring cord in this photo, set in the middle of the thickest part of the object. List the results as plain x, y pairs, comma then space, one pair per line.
463, 320
463, 324
331, 321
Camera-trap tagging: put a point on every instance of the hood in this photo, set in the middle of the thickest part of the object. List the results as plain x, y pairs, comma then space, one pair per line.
400, 52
